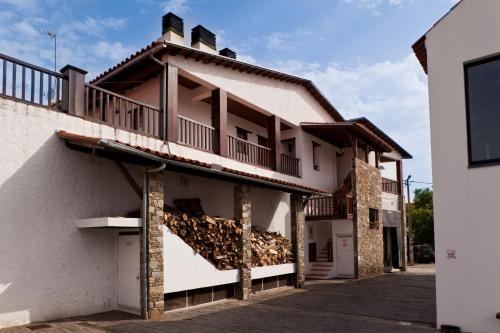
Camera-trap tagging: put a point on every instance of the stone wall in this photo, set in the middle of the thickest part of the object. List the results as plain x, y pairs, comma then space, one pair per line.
368, 240
243, 213
155, 245
297, 206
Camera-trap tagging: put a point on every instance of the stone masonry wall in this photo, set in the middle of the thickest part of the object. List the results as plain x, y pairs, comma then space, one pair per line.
297, 206
368, 242
155, 245
243, 213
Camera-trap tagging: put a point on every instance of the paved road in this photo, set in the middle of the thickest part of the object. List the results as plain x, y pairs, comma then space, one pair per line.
398, 302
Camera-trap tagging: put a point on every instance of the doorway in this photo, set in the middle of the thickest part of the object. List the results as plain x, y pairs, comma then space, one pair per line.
345, 256
128, 279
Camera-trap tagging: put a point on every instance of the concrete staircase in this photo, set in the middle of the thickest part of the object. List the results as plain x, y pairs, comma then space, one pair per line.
321, 269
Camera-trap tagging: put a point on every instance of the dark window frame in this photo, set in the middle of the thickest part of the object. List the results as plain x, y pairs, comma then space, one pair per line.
466, 66
376, 214
316, 158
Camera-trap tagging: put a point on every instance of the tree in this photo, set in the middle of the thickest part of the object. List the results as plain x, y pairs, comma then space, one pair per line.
422, 217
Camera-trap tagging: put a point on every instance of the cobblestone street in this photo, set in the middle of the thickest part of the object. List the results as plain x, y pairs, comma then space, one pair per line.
397, 302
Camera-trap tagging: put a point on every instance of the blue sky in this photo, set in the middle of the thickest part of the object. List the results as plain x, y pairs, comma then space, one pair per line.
357, 51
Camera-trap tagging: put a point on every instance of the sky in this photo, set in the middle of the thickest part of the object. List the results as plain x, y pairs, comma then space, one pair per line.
358, 52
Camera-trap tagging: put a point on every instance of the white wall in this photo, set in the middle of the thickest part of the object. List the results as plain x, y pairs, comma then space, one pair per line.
186, 269
288, 101
270, 209
465, 200
390, 201
49, 268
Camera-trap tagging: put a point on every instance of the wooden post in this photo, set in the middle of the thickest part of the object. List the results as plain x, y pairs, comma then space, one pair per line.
219, 120
172, 97
73, 91
274, 133
367, 153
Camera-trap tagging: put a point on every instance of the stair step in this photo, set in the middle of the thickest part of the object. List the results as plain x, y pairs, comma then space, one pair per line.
317, 277
322, 263
320, 269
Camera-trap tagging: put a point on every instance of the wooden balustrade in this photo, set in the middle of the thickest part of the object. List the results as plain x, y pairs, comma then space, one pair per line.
29, 83
248, 152
120, 111
390, 186
290, 165
195, 134
338, 205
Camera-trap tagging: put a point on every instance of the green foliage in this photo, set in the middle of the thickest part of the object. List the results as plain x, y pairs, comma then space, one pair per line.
422, 217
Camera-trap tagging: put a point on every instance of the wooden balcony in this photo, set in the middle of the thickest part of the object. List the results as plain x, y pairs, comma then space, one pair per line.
338, 205
248, 152
290, 165
391, 186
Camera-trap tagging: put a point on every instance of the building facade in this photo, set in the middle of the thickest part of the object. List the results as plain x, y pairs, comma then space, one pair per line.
146, 189
460, 55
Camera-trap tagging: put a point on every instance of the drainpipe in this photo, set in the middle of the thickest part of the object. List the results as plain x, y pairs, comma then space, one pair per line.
145, 243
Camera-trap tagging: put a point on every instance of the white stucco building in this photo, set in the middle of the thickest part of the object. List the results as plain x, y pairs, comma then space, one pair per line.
460, 54
88, 171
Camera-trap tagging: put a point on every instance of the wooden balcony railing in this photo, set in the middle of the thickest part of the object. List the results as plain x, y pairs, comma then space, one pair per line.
390, 186
120, 111
339, 205
290, 165
248, 152
195, 134
29, 83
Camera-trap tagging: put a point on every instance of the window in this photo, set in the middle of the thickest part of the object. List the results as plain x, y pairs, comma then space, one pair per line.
241, 147
316, 147
288, 146
482, 80
373, 217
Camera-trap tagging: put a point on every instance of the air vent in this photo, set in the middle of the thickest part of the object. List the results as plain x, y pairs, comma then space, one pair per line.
172, 22
228, 53
200, 34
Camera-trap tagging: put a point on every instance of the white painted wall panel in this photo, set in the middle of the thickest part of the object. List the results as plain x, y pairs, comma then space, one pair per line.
465, 200
185, 269
50, 268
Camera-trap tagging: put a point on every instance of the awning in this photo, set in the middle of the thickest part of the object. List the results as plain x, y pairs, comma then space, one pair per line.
120, 151
341, 134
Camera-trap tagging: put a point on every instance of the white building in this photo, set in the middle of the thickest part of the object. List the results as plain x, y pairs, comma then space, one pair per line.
460, 54
88, 170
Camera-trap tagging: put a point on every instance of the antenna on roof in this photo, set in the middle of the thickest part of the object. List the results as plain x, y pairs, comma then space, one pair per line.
52, 35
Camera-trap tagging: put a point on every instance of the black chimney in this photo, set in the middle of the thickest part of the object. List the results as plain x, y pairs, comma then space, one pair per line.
201, 34
228, 53
172, 22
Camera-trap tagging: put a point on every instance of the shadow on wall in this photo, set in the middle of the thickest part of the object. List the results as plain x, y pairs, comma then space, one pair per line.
49, 267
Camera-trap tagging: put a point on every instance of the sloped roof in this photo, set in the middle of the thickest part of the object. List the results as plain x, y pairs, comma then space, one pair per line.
158, 48
87, 141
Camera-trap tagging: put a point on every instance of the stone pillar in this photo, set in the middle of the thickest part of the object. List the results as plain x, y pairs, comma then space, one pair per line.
155, 198
243, 214
297, 205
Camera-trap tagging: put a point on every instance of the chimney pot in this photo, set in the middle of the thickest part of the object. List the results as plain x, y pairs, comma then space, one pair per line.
203, 39
172, 28
226, 52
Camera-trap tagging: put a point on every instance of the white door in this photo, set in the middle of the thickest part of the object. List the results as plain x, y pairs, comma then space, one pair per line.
129, 282
345, 256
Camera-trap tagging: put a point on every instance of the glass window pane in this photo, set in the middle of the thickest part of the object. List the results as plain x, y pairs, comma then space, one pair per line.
484, 111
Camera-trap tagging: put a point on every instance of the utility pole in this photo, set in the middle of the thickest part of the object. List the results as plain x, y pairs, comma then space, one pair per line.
411, 260
52, 35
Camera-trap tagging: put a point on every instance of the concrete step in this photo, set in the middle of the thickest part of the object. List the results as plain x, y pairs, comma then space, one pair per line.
323, 269
322, 263
317, 277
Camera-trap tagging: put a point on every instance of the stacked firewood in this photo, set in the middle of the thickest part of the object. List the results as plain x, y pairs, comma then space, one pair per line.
270, 248
217, 239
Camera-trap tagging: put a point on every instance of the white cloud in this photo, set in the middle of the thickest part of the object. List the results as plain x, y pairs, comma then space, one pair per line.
391, 94
175, 6
115, 51
374, 5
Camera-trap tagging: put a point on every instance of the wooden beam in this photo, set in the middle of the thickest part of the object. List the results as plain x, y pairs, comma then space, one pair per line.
219, 120
274, 133
130, 179
399, 175
200, 93
172, 77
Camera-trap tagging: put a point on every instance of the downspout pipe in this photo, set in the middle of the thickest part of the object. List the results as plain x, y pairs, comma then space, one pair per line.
145, 243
